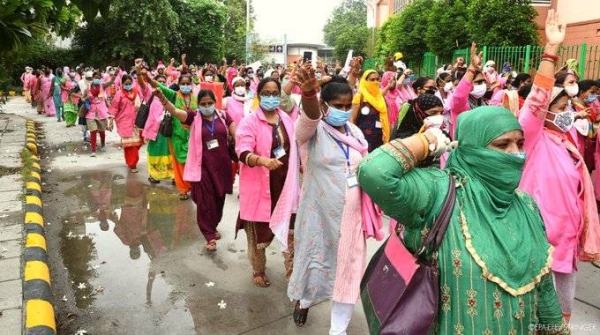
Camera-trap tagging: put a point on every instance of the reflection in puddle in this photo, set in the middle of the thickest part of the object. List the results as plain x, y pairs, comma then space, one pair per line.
114, 229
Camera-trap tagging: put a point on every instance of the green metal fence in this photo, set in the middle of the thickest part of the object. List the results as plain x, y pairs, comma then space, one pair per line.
521, 58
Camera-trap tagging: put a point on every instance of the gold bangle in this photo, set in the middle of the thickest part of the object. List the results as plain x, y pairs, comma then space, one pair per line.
248, 158
425, 142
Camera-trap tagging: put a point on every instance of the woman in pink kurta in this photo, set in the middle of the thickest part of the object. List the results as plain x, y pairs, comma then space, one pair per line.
555, 175
392, 96
97, 115
124, 109
268, 179
329, 237
46, 88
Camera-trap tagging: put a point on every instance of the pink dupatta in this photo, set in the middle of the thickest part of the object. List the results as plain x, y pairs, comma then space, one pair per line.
193, 165
589, 233
289, 198
371, 219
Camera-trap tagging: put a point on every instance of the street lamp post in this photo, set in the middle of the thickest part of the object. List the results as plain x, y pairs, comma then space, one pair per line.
373, 24
247, 31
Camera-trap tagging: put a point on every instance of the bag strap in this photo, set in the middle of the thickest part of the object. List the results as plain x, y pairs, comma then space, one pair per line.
150, 101
438, 231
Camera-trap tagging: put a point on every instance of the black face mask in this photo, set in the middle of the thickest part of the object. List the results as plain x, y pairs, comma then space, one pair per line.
429, 91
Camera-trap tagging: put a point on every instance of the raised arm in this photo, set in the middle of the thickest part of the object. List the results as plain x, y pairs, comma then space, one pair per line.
307, 122
533, 113
403, 193
169, 107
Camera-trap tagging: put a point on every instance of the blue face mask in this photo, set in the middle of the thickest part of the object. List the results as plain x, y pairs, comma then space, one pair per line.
337, 117
283, 82
207, 111
591, 99
128, 87
185, 89
520, 154
269, 103
97, 81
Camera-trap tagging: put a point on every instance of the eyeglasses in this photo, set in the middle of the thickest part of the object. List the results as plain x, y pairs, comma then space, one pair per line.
271, 94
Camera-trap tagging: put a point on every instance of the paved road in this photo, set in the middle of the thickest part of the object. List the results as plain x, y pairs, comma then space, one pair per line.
127, 257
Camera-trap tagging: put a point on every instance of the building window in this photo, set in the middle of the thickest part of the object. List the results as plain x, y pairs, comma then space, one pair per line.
399, 5
541, 2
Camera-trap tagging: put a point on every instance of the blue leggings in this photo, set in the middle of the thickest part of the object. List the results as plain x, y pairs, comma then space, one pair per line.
58, 105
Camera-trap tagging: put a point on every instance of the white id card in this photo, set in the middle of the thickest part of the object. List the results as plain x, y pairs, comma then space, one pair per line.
278, 152
352, 181
377, 124
212, 144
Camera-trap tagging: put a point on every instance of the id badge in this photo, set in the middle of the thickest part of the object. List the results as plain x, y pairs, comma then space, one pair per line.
212, 144
377, 124
365, 110
352, 181
279, 152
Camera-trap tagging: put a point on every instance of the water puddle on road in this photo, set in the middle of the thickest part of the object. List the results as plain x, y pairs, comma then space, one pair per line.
134, 261
115, 228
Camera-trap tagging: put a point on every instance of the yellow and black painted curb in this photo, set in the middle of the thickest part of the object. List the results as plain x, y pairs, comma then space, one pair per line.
37, 293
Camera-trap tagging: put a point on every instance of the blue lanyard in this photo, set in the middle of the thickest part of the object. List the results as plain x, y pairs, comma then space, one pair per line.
345, 150
211, 128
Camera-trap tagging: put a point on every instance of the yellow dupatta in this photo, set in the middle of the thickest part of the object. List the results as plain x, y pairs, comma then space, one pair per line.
371, 92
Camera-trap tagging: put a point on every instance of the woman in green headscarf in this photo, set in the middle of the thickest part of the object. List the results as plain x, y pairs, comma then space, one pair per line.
494, 260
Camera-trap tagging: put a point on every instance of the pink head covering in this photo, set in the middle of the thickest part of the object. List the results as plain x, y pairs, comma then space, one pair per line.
160, 65
385, 80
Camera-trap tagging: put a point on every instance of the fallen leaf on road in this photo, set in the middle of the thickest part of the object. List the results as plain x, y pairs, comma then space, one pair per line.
103, 262
100, 288
3, 216
222, 304
81, 286
64, 298
210, 284
81, 332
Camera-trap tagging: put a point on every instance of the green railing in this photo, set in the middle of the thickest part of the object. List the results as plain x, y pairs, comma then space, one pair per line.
521, 58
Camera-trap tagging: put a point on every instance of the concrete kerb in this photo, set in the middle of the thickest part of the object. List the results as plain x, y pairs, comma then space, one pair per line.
37, 292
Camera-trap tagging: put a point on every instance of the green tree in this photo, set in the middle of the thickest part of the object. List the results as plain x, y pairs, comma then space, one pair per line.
24, 21
404, 31
235, 29
502, 22
446, 27
200, 30
91, 8
144, 30
347, 28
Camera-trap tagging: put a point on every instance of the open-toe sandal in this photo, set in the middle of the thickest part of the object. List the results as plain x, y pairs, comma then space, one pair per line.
217, 236
211, 246
300, 315
261, 280
183, 196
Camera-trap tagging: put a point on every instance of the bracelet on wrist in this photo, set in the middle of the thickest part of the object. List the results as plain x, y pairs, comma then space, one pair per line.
309, 95
425, 142
547, 55
549, 60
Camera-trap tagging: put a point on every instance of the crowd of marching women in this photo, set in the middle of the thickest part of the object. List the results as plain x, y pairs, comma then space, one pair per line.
322, 152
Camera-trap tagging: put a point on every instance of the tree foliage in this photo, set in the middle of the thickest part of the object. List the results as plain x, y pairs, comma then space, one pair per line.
502, 22
446, 28
347, 28
235, 29
439, 25
200, 30
24, 21
404, 32
144, 30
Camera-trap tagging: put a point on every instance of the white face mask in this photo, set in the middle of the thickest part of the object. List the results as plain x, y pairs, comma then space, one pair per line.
209, 79
435, 121
448, 87
572, 90
479, 91
490, 69
563, 120
240, 90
